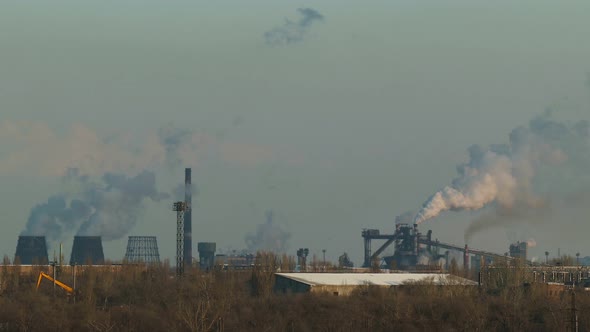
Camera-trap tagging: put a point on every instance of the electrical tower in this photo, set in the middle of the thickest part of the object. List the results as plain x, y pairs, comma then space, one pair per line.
180, 208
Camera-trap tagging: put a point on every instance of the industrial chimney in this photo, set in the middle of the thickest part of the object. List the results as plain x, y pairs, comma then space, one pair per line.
206, 254
87, 250
31, 250
188, 226
142, 249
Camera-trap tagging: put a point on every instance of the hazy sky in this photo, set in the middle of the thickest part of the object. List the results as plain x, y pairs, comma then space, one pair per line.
361, 117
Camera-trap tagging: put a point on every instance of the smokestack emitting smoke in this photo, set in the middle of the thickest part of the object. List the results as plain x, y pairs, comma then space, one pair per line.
506, 176
108, 208
269, 237
188, 226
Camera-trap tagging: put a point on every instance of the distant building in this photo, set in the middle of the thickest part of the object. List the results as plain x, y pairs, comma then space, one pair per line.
234, 261
345, 283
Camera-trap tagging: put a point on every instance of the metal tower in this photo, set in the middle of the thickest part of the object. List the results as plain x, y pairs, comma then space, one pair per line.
180, 208
142, 249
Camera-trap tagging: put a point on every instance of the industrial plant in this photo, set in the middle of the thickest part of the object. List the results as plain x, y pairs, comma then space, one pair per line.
415, 250
400, 261
408, 250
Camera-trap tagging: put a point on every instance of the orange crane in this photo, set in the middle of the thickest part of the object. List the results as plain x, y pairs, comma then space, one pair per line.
42, 275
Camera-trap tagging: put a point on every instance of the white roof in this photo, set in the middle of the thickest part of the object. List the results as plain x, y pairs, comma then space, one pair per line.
380, 279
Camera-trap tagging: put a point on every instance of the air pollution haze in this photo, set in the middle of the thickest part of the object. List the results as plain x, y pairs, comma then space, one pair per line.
269, 236
293, 31
109, 208
522, 180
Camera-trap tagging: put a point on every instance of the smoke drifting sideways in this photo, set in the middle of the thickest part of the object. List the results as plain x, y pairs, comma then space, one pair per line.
109, 208
543, 160
293, 32
268, 237
405, 218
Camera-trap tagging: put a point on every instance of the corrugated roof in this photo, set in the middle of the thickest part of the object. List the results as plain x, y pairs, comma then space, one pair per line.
380, 279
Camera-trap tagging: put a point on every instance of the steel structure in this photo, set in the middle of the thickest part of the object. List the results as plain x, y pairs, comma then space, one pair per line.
180, 208
188, 222
409, 243
142, 249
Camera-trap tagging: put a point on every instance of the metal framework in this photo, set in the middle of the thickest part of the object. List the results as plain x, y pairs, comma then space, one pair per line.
180, 208
142, 249
414, 240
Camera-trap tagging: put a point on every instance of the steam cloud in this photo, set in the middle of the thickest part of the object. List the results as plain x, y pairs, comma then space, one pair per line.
268, 237
405, 218
509, 177
173, 140
109, 208
293, 32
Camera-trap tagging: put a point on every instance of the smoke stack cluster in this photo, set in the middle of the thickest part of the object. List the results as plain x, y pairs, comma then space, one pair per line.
31, 250
87, 250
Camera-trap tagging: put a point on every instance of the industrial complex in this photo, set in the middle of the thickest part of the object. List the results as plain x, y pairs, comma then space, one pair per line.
413, 255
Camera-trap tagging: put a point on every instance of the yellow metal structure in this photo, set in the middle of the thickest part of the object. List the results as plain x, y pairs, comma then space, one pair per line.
42, 275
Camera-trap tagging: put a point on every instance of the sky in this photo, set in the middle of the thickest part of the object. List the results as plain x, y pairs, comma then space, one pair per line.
337, 116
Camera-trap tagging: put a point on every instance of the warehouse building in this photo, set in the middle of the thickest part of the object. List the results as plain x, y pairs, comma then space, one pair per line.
345, 283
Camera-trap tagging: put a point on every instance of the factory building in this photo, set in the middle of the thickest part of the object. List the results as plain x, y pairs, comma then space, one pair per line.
343, 284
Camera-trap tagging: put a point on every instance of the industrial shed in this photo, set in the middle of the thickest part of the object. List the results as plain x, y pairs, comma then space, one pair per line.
345, 283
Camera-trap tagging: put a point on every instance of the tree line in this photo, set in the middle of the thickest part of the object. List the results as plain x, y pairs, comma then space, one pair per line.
152, 298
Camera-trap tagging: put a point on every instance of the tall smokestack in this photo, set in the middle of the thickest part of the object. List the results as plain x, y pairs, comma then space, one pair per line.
188, 222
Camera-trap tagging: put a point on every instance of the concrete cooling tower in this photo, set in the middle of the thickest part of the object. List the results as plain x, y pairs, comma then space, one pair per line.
31, 250
87, 250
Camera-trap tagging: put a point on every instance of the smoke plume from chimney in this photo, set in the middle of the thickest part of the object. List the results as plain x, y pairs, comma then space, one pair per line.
510, 176
268, 237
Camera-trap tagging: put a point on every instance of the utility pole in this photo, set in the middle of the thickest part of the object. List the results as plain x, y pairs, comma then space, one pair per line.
180, 208
574, 312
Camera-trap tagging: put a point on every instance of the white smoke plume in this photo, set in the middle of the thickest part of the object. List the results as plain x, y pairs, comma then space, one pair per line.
507, 176
531, 243
109, 207
38, 149
405, 218
268, 237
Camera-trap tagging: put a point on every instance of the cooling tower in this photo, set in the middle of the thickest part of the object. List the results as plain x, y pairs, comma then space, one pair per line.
31, 250
142, 249
206, 254
87, 250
